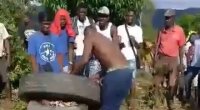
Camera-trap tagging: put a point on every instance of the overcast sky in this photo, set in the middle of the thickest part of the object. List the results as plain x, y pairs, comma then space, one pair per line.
176, 4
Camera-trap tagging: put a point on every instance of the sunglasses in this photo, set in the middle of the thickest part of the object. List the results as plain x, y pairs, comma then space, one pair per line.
168, 17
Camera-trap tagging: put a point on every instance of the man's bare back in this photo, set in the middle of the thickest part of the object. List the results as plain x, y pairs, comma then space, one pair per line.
107, 52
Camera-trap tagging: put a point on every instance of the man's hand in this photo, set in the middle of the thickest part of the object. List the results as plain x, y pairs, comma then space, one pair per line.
135, 43
70, 68
96, 78
181, 68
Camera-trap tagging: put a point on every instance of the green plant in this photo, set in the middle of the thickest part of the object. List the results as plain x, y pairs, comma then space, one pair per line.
20, 105
117, 7
11, 13
189, 22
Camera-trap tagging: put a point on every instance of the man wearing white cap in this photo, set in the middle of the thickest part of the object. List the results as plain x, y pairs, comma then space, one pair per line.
108, 30
105, 27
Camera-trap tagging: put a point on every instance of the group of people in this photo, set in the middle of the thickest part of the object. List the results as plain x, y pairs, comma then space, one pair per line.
82, 46
106, 53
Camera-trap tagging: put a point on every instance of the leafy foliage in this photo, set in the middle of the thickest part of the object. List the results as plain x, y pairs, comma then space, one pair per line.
189, 22
11, 13
117, 7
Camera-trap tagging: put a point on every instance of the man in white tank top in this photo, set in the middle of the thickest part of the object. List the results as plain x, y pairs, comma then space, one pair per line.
107, 29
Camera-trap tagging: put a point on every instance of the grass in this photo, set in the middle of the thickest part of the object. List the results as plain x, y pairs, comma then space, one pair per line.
145, 98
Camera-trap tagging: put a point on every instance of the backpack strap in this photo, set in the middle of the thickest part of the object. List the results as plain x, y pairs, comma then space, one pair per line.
91, 20
74, 24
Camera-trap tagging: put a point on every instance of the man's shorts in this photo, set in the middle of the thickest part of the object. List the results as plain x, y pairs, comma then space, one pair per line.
166, 65
132, 66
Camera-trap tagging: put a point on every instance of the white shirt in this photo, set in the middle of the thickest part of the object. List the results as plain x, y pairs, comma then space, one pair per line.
80, 37
196, 57
3, 35
135, 31
106, 32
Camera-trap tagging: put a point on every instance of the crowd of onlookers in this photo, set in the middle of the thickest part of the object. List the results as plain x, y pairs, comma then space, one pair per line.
58, 44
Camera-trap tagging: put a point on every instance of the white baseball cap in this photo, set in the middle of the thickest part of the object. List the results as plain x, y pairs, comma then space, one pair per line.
104, 10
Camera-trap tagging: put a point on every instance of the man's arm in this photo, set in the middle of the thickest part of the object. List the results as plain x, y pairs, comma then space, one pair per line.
33, 64
6, 43
135, 43
60, 60
86, 52
181, 44
115, 37
71, 55
32, 52
7, 50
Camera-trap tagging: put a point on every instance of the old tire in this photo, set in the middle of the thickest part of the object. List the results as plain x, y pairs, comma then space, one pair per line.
59, 87
36, 106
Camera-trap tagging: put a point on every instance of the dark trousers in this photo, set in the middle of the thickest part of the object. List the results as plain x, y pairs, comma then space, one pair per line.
189, 76
3, 73
115, 88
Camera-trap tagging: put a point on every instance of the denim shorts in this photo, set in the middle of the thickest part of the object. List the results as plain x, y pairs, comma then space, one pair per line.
132, 66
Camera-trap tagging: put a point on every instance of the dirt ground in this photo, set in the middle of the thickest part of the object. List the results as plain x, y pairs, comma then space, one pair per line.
6, 104
143, 101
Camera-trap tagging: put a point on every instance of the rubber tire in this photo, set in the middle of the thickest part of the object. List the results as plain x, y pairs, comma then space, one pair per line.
59, 87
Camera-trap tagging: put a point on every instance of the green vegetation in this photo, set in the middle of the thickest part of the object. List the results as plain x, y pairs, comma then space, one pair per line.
189, 22
11, 13
117, 7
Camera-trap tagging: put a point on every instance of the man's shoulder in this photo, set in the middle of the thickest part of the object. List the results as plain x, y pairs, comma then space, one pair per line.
178, 27
36, 35
137, 27
121, 26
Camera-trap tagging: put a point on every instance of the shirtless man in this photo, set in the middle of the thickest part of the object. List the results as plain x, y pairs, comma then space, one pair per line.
118, 77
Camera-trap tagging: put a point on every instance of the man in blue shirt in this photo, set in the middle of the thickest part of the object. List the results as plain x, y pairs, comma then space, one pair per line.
43, 48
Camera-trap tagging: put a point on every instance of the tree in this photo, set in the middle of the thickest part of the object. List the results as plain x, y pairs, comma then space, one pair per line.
147, 15
189, 22
117, 7
11, 13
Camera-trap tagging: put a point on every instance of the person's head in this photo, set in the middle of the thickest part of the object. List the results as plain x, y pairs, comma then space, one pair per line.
63, 21
169, 18
129, 17
82, 12
193, 38
103, 16
45, 23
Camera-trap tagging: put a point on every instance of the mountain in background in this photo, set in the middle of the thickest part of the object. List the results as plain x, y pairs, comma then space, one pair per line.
158, 17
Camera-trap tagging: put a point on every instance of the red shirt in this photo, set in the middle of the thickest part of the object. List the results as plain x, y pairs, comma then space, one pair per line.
171, 40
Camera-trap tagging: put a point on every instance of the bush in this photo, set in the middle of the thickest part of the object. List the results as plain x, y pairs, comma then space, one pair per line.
11, 13
117, 7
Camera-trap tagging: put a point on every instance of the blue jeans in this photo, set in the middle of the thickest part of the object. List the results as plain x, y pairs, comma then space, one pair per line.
189, 76
132, 65
115, 88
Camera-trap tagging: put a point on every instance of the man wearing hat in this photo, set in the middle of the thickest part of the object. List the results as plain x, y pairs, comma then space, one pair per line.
108, 30
169, 53
105, 27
